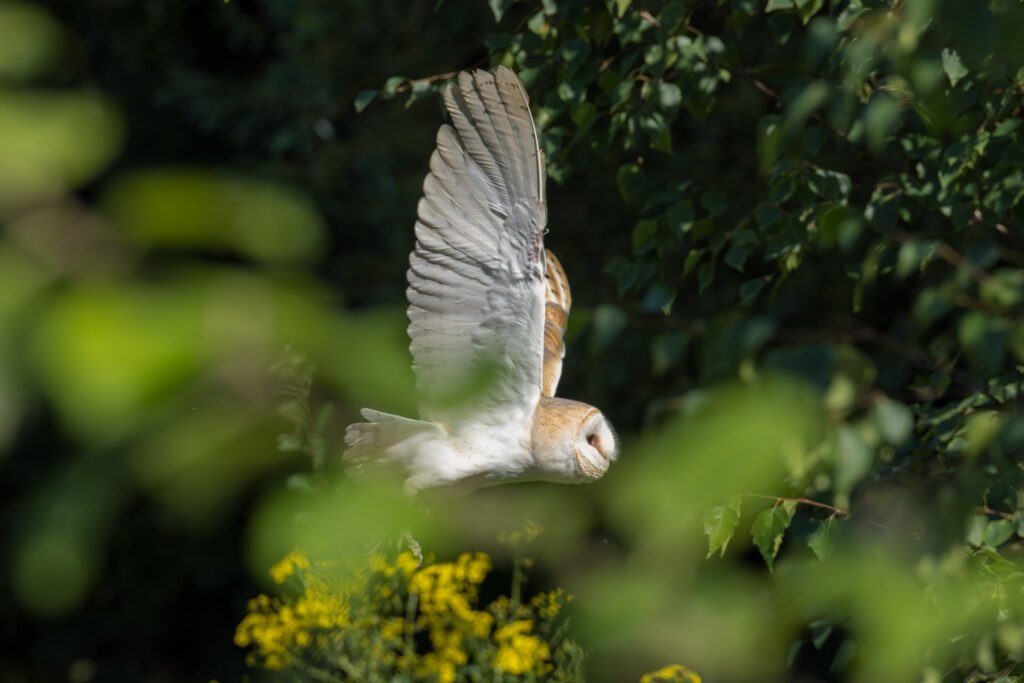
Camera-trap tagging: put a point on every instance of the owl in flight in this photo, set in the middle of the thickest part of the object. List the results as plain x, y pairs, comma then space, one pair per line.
486, 299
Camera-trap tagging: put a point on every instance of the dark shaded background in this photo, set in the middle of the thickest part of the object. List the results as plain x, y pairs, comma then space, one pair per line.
854, 213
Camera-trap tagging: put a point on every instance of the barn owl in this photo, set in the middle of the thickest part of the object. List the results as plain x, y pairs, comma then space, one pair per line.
485, 299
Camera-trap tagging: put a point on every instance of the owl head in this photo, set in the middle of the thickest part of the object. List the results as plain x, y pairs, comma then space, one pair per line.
572, 441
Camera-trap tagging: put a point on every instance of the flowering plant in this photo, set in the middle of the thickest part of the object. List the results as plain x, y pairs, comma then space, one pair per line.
404, 619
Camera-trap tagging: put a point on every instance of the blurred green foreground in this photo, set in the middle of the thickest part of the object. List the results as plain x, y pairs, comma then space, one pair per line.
793, 231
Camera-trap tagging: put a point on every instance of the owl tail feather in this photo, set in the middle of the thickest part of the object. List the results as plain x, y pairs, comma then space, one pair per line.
384, 445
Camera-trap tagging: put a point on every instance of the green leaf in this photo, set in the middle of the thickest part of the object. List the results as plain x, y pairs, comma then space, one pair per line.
692, 259
984, 340
621, 6
893, 419
914, 254
666, 350
720, 525
777, 5
631, 182
364, 98
998, 532
980, 430
643, 232
669, 95
822, 540
1006, 127
499, 7
705, 276
30, 41
749, 291
289, 443
769, 527
953, 66
391, 85
880, 118
854, 459
574, 52
659, 297
808, 8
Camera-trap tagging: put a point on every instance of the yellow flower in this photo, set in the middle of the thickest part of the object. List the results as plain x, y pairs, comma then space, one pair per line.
476, 566
549, 604
407, 563
529, 532
673, 673
449, 587
393, 629
288, 565
276, 628
519, 652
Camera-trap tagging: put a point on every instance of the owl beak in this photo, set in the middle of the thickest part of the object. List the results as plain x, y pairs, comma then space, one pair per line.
595, 441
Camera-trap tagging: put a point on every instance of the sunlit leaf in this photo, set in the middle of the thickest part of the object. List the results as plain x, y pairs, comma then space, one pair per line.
953, 66
53, 141
720, 525
822, 540
894, 420
768, 528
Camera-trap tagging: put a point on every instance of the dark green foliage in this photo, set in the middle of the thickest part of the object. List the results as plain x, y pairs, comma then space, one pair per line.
831, 190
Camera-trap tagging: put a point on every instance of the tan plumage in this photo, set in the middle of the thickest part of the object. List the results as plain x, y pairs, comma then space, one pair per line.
557, 304
484, 294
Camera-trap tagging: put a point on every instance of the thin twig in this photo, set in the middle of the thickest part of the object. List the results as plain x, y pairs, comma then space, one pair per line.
426, 79
650, 18
836, 512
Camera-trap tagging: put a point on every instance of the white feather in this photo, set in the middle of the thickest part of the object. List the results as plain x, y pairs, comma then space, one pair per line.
477, 295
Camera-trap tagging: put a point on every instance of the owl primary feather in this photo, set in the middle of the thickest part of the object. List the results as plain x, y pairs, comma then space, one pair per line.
486, 299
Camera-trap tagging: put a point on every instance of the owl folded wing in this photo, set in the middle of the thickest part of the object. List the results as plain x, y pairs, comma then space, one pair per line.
558, 303
477, 280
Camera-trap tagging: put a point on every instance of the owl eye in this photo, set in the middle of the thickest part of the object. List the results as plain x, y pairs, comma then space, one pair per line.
593, 440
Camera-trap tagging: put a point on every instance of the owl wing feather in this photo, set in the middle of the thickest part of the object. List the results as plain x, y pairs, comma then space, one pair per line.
557, 305
477, 273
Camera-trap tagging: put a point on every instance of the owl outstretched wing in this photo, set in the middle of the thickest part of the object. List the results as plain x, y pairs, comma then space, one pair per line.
476, 276
557, 305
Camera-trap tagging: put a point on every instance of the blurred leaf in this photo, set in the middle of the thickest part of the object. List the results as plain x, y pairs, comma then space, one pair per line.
895, 421
30, 40
749, 291
364, 98
822, 540
630, 179
53, 142
980, 431
197, 466
953, 66
808, 8
666, 351
914, 254
643, 232
854, 459
392, 84
109, 353
880, 118
58, 557
190, 208
607, 323
499, 7
669, 95
984, 339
